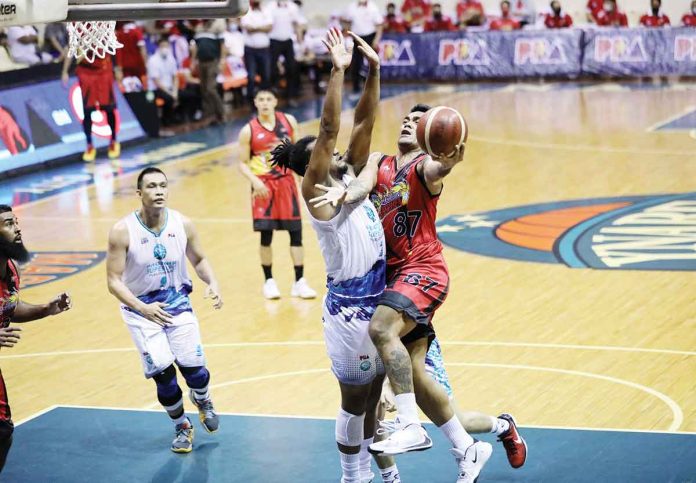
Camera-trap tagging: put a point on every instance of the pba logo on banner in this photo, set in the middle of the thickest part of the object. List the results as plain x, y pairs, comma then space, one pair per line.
463, 52
45, 267
539, 51
685, 48
620, 48
627, 233
396, 53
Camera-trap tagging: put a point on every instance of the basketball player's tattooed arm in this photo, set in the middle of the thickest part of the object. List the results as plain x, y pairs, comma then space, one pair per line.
324, 149
115, 265
27, 312
365, 111
195, 255
435, 169
258, 189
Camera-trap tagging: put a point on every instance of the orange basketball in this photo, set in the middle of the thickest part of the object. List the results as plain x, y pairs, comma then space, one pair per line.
441, 130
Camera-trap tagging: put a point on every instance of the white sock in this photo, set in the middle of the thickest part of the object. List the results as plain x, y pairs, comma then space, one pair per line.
350, 464
202, 394
456, 433
406, 407
365, 458
390, 475
499, 425
180, 419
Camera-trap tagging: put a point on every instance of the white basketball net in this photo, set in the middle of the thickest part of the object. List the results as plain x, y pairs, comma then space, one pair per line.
92, 39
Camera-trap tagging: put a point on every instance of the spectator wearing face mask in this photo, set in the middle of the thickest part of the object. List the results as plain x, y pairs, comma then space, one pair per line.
610, 16
393, 23
655, 18
689, 19
557, 19
365, 21
593, 8
505, 22
470, 14
163, 79
439, 22
209, 51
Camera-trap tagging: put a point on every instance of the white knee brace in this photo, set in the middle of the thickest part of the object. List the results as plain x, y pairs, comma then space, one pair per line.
349, 428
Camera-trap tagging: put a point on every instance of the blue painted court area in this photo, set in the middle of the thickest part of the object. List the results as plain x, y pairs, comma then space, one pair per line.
102, 445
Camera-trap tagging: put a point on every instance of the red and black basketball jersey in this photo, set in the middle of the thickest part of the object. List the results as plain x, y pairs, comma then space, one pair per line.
262, 143
407, 210
9, 294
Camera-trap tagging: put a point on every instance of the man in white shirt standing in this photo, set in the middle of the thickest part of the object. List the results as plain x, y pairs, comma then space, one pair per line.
366, 21
164, 82
287, 20
256, 25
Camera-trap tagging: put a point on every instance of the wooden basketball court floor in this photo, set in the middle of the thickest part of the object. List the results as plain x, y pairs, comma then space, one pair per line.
556, 346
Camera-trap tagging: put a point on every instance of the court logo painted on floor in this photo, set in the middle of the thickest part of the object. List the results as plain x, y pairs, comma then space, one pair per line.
630, 233
45, 267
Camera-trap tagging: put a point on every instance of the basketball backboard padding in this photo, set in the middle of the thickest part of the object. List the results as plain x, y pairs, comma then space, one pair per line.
26, 12
85, 10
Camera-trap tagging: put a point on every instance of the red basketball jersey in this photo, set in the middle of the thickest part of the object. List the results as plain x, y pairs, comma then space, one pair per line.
263, 141
407, 210
9, 294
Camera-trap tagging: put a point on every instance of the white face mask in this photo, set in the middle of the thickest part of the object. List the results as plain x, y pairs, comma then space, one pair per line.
164, 53
233, 27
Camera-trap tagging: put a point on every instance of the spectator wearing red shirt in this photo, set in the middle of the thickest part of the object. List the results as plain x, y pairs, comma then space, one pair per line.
610, 16
689, 19
439, 22
416, 13
505, 22
393, 23
594, 7
656, 18
470, 13
132, 57
557, 19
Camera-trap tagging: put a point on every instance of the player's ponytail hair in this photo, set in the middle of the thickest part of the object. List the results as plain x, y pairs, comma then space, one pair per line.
293, 156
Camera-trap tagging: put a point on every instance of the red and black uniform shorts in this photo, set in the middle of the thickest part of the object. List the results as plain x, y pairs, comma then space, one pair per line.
417, 289
97, 87
280, 210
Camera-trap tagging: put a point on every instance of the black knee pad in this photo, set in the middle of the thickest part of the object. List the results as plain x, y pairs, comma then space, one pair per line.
196, 377
296, 238
266, 238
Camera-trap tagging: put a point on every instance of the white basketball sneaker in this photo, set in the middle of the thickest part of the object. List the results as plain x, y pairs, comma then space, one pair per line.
405, 438
270, 289
302, 289
471, 460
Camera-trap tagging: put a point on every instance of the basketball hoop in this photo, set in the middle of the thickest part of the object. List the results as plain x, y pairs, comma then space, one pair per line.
92, 39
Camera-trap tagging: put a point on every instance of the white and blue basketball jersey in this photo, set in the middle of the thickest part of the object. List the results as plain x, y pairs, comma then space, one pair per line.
156, 263
353, 246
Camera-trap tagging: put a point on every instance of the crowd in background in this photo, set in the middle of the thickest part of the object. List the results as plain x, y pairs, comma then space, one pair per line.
193, 66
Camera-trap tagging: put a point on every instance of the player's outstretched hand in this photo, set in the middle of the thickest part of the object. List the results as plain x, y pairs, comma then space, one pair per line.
340, 55
453, 158
332, 194
9, 336
60, 304
212, 292
369, 53
155, 312
259, 190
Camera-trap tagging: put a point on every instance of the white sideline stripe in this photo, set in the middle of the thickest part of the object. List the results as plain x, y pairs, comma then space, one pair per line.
677, 414
318, 343
327, 418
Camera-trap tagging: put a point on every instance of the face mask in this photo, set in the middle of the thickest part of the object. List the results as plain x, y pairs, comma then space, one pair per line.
608, 7
233, 27
557, 12
437, 15
164, 53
